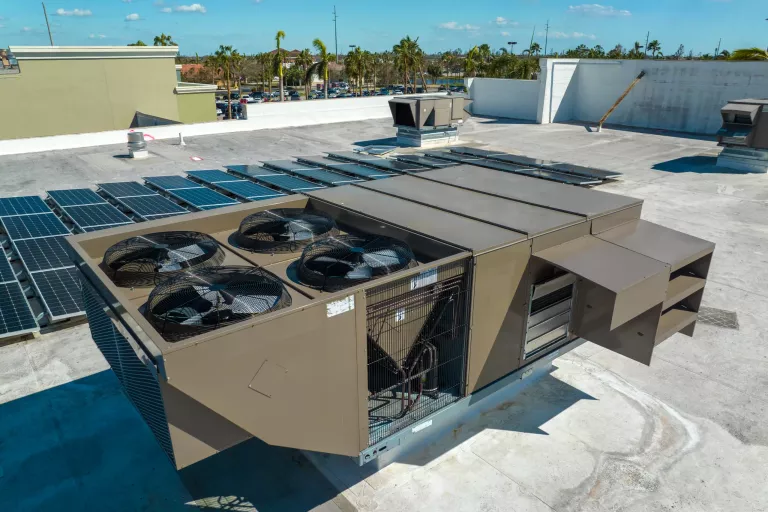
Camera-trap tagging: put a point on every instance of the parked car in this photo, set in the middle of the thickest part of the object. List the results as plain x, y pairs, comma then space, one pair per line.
219, 112
397, 92
294, 95
234, 96
442, 88
314, 95
383, 91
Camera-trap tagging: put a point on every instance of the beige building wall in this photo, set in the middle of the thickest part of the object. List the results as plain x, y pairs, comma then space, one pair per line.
197, 108
63, 94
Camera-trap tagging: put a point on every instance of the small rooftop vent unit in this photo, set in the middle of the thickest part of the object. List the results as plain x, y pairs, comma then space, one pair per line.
744, 135
428, 121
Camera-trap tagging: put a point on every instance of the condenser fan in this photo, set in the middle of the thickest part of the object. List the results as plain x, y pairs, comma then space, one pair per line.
343, 261
152, 258
198, 302
284, 230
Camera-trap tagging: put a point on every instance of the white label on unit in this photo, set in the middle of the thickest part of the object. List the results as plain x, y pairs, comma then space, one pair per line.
419, 428
400, 315
424, 279
338, 307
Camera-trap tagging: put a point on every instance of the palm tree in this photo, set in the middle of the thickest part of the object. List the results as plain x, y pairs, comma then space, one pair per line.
749, 54
305, 60
471, 62
278, 37
138, 43
164, 40
406, 52
321, 66
535, 48
354, 64
434, 71
265, 60
211, 66
654, 47
225, 57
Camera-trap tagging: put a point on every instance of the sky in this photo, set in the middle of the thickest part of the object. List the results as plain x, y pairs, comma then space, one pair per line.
250, 25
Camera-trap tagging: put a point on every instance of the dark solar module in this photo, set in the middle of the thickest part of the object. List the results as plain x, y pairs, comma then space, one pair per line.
320, 161
434, 163
326, 177
523, 160
212, 176
77, 196
44, 253
499, 166
126, 189
33, 226
171, 182
60, 292
289, 183
484, 153
285, 165
198, 197
22, 206
249, 190
96, 215
251, 170
15, 315
362, 171
6, 271
354, 156
453, 157
151, 206
394, 165
587, 172
559, 177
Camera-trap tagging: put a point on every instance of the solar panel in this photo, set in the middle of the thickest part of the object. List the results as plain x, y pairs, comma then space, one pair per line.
326, 177
353, 156
199, 197
485, 153
6, 271
559, 177
33, 226
15, 315
434, 163
152, 206
587, 172
96, 215
22, 206
249, 190
171, 182
319, 161
289, 183
523, 160
363, 172
74, 197
451, 156
59, 291
211, 176
126, 189
394, 165
250, 171
282, 165
43, 253
499, 166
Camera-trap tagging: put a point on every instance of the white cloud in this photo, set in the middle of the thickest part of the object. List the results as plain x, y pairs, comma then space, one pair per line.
501, 21
598, 10
166, 9
191, 8
505, 34
97, 36
133, 17
568, 35
73, 12
452, 25
26, 29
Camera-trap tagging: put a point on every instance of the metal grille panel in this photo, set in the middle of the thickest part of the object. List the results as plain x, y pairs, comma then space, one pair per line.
418, 329
139, 383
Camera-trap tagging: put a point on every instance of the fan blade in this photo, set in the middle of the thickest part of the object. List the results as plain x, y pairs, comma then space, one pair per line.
383, 258
252, 304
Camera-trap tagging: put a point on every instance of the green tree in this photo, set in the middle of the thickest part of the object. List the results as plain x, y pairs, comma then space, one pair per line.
749, 54
654, 47
164, 40
406, 52
265, 62
322, 65
279, 61
226, 57
138, 43
535, 48
304, 61
472, 61
434, 71
617, 52
354, 64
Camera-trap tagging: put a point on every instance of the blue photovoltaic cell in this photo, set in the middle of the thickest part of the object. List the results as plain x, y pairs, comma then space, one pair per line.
213, 176
126, 189
354, 156
326, 177
249, 190
77, 196
96, 215
43, 253
202, 197
15, 315
363, 172
320, 161
149, 206
289, 183
59, 291
33, 226
171, 182
6, 272
249, 171
281, 165
22, 206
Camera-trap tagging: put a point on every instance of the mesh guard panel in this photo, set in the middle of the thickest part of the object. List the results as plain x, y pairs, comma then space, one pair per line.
284, 230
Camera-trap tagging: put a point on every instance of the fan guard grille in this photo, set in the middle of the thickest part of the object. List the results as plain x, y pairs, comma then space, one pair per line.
284, 230
339, 262
150, 259
198, 302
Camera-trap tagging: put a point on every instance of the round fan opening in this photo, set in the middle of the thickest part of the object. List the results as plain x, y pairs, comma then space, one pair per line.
343, 261
150, 259
198, 302
284, 230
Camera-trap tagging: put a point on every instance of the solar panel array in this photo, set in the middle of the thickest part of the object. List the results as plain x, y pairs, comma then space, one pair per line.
378, 162
322, 176
143, 202
87, 210
190, 193
16, 316
357, 170
37, 237
243, 189
274, 179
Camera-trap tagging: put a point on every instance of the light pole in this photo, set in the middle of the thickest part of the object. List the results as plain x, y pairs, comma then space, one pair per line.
512, 46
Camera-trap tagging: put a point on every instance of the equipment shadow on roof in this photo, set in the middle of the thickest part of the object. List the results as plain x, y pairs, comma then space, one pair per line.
700, 164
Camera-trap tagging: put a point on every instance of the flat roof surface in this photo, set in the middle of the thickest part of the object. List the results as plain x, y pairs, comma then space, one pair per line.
521, 217
600, 432
588, 203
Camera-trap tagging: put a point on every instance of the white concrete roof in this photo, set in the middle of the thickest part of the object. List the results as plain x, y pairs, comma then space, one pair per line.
93, 52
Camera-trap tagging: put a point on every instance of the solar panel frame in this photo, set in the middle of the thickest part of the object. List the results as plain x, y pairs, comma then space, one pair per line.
38, 225
523, 160
584, 171
352, 156
396, 166
483, 153
168, 183
201, 197
96, 215
326, 177
7, 275
16, 316
59, 291
249, 190
250, 171
433, 163
39, 254
121, 189
211, 176
451, 156
288, 183
499, 166
154, 206
22, 205
285, 165
75, 197
568, 179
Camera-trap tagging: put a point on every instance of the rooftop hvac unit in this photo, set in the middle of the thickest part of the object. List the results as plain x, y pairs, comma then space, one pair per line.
745, 124
426, 121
